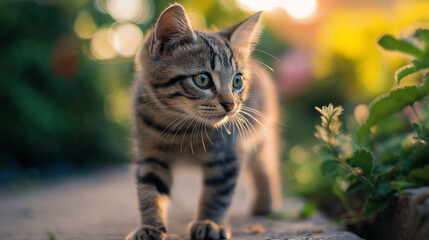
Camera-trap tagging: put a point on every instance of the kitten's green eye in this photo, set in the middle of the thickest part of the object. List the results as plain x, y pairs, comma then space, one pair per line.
237, 82
202, 80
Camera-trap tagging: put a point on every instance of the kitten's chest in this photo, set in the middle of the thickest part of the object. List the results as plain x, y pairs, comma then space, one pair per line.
194, 140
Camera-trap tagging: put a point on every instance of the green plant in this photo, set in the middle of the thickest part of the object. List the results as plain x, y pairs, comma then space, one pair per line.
51, 236
52, 116
383, 155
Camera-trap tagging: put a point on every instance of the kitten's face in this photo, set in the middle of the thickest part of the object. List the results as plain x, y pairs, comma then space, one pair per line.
207, 80
204, 76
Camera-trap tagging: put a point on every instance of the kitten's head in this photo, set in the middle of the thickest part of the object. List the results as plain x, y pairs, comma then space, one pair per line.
203, 75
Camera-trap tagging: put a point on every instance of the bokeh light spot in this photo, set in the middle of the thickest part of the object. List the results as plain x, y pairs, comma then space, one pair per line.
302, 9
101, 47
126, 39
303, 175
197, 19
361, 113
298, 154
84, 26
137, 11
259, 5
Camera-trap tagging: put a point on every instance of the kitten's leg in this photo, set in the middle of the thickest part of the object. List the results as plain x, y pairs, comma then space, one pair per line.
153, 187
264, 166
219, 183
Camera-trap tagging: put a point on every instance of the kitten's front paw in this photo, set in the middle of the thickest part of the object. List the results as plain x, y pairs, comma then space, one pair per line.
208, 230
147, 233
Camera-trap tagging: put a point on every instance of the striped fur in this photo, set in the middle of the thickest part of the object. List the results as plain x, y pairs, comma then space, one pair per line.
218, 127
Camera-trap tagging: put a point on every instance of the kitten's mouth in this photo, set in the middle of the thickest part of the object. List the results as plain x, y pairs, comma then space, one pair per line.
222, 116
217, 119
214, 119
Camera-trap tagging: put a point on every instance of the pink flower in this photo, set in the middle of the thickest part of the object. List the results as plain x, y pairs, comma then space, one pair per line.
294, 74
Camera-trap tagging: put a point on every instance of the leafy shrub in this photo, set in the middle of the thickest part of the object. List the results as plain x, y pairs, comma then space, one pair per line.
52, 116
383, 155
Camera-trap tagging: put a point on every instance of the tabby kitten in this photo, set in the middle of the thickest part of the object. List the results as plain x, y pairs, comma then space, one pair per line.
199, 97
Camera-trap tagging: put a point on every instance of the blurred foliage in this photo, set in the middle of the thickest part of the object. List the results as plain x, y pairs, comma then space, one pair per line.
345, 42
51, 236
52, 116
307, 210
375, 163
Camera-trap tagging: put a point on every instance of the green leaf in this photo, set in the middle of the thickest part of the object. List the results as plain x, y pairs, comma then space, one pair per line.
404, 71
375, 205
390, 171
329, 167
388, 42
419, 156
405, 166
382, 190
357, 185
421, 63
325, 152
422, 173
51, 236
391, 124
422, 132
363, 160
423, 35
330, 111
330, 128
307, 210
390, 103
376, 169
401, 184
417, 127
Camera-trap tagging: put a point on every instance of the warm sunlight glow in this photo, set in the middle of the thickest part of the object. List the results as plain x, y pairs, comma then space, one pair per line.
126, 39
302, 9
258, 5
101, 47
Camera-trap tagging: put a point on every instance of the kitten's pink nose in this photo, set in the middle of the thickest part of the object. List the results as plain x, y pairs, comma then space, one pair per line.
228, 106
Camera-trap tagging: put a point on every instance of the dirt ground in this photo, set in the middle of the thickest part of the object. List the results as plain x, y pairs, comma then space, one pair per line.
103, 205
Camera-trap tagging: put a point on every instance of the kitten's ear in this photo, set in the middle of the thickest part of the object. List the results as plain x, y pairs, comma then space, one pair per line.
173, 26
245, 34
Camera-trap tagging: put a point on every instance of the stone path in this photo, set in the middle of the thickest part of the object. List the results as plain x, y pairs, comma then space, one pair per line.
103, 206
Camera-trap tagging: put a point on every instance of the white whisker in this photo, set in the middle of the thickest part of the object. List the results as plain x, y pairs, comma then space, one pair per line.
270, 68
256, 120
167, 127
184, 134
201, 133
181, 123
247, 124
205, 129
258, 50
